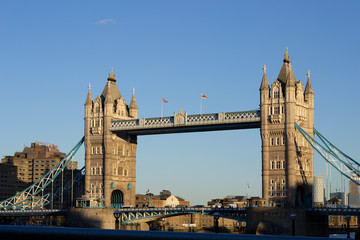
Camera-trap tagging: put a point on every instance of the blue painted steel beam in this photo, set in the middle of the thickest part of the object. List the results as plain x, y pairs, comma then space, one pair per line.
334, 211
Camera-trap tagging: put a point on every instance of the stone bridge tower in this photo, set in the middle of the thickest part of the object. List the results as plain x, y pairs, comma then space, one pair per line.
110, 159
287, 159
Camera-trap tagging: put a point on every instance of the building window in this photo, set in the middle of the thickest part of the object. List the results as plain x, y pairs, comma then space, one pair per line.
272, 165
277, 141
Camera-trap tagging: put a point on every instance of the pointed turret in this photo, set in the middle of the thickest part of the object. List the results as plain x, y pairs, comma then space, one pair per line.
133, 100
291, 80
133, 106
108, 97
308, 88
88, 98
264, 82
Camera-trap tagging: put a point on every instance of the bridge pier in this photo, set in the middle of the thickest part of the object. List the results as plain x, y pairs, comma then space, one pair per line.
97, 218
277, 221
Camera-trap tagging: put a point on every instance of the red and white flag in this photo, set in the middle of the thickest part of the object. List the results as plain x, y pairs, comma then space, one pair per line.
165, 101
203, 96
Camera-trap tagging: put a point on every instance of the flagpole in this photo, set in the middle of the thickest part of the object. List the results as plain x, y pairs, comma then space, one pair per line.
200, 105
162, 107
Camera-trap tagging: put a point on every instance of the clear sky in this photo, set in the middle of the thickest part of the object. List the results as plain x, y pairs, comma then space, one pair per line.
51, 50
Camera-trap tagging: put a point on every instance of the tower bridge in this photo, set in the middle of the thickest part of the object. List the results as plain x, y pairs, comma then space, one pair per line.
112, 127
285, 119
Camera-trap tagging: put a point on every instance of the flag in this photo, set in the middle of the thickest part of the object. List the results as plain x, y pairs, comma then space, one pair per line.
203, 96
165, 101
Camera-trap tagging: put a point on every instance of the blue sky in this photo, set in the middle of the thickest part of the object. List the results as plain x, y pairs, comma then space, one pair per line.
51, 50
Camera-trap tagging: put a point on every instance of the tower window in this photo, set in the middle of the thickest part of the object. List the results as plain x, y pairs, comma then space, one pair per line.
278, 164
276, 110
276, 94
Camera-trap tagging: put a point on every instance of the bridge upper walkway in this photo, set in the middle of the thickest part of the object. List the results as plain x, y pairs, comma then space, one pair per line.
181, 122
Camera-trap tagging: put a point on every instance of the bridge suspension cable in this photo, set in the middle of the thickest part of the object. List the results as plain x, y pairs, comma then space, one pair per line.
346, 165
33, 196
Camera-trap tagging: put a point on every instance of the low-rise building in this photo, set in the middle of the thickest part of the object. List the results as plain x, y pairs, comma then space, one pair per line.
27, 167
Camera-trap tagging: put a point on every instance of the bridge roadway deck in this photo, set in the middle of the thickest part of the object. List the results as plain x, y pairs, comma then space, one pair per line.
181, 123
34, 212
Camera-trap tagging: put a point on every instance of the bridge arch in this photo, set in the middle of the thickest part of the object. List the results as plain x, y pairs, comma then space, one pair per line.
117, 199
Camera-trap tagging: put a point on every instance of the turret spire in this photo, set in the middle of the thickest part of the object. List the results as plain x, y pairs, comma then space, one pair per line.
264, 82
88, 98
133, 100
111, 76
308, 88
286, 57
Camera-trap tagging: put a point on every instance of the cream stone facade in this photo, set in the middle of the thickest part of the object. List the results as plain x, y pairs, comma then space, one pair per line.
110, 158
287, 159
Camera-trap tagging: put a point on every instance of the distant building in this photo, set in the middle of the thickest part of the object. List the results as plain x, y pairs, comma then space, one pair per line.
196, 222
342, 196
354, 194
27, 167
337, 221
318, 191
230, 201
164, 199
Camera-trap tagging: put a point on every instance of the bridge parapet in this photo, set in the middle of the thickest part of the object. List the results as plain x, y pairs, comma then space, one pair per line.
183, 119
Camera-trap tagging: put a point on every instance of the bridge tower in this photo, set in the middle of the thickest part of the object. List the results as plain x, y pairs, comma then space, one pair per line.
110, 158
287, 159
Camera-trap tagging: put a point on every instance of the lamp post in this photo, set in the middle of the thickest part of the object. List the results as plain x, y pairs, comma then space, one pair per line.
348, 225
293, 218
117, 216
216, 221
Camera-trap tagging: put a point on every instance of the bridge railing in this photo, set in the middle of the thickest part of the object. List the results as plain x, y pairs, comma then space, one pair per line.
180, 119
